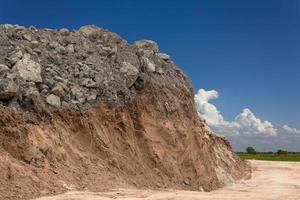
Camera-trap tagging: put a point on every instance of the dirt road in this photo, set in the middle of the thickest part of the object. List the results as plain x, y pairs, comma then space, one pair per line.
270, 181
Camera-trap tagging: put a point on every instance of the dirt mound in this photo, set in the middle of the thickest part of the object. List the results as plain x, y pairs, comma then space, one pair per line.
141, 130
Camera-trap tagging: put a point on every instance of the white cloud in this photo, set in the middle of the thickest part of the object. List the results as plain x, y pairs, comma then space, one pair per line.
245, 123
291, 130
212, 115
252, 125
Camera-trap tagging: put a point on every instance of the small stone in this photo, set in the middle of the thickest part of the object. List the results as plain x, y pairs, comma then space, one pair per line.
89, 83
186, 182
64, 31
49, 82
58, 78
3, 68
92, 97
8, 89
61, 50
54, 44
89, 30
14, 58
70, 48
150, 66
164, 56
34, 44
27, 37
37, 50
53, 100
76, 92
58, 90
147, 45
159, 71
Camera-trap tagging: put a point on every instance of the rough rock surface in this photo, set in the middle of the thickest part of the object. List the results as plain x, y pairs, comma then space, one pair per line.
87, 110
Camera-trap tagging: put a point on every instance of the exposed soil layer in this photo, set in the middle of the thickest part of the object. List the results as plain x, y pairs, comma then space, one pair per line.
139, 145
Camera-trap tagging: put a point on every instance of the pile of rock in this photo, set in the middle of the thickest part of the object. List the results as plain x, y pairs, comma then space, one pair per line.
45, 69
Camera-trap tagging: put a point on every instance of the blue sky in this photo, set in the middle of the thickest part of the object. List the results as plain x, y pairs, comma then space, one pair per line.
248, 51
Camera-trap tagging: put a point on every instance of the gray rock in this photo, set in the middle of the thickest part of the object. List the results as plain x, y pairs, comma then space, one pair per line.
150, 66
91, 97
58, 90
64, 31
147, 45
89, 83
80, 67
3, 68
129, 72
33, 99
14, 58
49, 82
76, 92
164, 56
54, 44
60, 49
53, 100
89, 30
58, 78
8, 88
159, 71
28, 69
27, 37
70, 48
35, 44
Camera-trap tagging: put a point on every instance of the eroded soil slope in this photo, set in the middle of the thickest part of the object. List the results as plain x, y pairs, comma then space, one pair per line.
107, 115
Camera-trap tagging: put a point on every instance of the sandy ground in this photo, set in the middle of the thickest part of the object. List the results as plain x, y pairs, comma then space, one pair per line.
270, 181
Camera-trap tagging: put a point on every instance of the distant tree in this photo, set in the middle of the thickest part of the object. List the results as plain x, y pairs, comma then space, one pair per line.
250, 150
281, 152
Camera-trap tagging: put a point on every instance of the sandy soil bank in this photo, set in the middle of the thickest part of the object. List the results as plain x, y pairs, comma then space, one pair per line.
270, 181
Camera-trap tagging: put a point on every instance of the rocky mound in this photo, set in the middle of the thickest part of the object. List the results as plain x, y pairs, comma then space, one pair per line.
87, 110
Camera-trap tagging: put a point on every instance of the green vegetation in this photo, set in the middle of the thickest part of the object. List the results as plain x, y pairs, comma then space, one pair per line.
250, 150
294, 157
280, 155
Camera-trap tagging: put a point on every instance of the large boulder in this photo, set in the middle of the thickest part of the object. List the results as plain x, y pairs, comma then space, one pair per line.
130, 73
28, 69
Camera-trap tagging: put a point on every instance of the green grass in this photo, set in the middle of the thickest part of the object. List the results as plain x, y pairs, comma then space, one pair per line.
271, 157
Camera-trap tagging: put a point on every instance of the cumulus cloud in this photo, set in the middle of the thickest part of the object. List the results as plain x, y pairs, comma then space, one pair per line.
291, 130
250, 124
212, 115
245, 123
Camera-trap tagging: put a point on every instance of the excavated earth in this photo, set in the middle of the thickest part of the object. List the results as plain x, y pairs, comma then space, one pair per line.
85, 110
